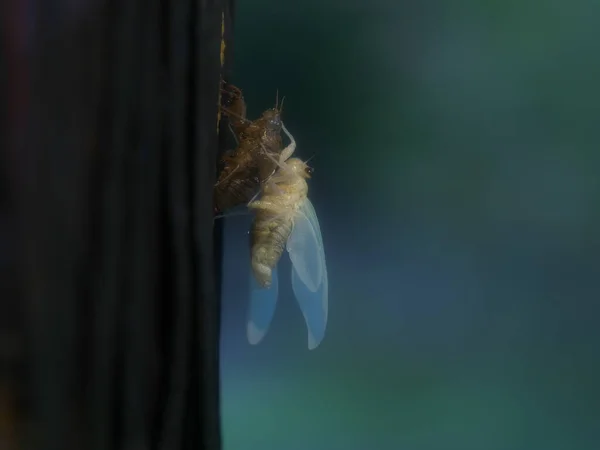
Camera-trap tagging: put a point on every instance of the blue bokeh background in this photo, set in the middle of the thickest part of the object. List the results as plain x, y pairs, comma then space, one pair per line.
456, 181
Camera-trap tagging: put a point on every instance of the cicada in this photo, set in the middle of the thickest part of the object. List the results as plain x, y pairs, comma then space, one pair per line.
284, 217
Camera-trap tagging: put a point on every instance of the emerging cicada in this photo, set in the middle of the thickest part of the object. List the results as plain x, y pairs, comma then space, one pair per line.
285, 218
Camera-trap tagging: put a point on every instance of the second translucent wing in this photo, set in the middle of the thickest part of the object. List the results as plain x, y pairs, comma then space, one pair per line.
262, 308
305, 249
309, 273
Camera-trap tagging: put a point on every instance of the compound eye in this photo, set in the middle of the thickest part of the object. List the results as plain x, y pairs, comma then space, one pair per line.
309, 170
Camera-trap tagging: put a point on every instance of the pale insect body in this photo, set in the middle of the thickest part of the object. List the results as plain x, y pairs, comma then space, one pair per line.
285, 218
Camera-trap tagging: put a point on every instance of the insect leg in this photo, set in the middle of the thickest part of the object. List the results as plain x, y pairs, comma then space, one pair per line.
287, 152
231, 113
266, 183
230, 214
237, 142
230, 173
253, 198
268, 154
272, 185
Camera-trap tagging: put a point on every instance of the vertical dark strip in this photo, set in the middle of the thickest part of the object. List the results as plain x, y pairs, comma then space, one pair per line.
114, 191
208, 32
9, 305
191, 432
165, 303
143, 240
6, 17
179, 201
51, 193
105, 409
46, 283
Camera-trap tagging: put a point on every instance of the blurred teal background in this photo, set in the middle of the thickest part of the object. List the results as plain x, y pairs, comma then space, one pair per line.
456, 181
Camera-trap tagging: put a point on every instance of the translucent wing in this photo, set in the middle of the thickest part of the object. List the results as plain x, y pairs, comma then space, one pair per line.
309, 272
304, 248
262, 308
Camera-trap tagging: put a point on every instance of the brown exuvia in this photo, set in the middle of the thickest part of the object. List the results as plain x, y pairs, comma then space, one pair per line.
247, 166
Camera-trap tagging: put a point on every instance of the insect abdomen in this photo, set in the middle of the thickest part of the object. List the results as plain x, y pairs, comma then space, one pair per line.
268, 238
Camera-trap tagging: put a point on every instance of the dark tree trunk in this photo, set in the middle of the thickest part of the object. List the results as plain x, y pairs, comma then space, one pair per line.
110, 193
